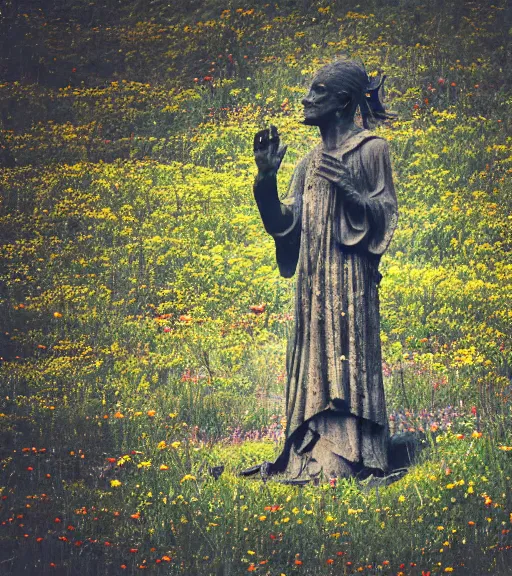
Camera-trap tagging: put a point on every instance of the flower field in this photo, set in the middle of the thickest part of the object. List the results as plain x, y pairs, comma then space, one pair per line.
144, 322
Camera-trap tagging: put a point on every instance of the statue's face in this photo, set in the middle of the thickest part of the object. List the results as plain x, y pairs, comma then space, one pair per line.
322, 102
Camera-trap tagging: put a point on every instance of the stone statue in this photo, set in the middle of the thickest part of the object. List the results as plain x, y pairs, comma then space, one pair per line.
331, 230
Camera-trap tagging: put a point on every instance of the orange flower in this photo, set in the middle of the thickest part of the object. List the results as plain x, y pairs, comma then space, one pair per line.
151, 413
118, 415
39, 539
298, 562
252, 568
166, 558
135, 516
329, 561
471, 523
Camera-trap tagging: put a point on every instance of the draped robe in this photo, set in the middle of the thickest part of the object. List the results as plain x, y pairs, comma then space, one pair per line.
335, 405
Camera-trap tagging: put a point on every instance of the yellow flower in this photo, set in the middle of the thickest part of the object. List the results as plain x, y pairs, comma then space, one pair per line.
401, 498
146, 464
262, 518
57, 315
251, 552
440, 528
164, 467
448, 569
115, 483
329, 518
161, 445
295, 510
286, 519
176, 444
187, 477
476, 434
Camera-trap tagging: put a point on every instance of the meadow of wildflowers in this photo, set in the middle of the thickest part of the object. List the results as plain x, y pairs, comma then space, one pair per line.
144, 325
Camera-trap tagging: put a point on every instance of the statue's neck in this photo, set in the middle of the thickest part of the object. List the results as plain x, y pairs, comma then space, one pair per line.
334, 134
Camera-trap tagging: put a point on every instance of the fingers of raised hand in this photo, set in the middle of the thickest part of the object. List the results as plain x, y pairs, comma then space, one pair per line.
274, 139
261, 140
267, 139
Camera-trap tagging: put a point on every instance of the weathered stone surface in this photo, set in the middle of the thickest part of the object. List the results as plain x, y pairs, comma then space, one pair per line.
331, 229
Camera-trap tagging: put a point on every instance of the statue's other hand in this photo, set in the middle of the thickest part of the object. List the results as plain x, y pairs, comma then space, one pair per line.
267, 153
337, 173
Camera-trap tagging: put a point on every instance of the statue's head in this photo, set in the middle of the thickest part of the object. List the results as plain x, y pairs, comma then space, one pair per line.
336, 91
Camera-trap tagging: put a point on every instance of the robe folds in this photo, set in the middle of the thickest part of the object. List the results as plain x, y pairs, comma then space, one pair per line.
335, 404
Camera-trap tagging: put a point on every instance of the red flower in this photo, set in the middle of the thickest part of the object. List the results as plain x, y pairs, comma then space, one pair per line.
208, 78
258, 309
57, 520
473, 410
30, 469
134, 550
441, 81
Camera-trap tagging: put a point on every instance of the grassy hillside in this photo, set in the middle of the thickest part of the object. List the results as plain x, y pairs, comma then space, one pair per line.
134, 268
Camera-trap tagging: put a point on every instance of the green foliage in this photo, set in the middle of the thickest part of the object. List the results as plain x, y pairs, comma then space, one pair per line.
141, 301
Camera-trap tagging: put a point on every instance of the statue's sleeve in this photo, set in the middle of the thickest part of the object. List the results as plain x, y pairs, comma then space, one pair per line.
380, 197
288, 241
370, 215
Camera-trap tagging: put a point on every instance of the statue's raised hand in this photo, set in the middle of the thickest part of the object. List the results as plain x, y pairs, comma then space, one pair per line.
338, 174
267, 153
